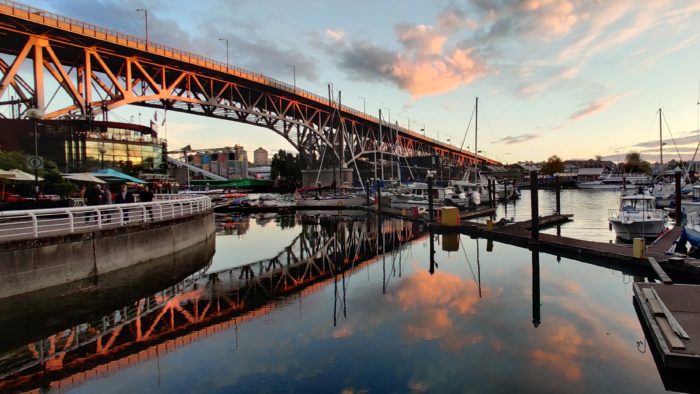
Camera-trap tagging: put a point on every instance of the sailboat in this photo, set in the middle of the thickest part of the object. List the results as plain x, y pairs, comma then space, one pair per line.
342, 196
479, 184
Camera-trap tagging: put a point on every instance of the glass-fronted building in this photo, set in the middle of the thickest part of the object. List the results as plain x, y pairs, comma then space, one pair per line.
78, 145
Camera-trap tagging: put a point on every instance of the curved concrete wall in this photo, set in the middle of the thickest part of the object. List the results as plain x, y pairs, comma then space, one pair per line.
32, 265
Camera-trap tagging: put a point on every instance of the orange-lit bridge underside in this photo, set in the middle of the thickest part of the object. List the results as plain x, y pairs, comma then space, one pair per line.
99, 70
203, 304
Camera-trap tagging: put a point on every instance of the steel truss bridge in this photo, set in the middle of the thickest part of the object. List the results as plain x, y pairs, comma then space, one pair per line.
204, 304
97, 70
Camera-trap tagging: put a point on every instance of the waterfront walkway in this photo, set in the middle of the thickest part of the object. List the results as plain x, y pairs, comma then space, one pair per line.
38, 223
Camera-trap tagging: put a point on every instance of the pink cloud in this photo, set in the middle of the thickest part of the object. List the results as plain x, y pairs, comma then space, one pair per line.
595, 106
424, 76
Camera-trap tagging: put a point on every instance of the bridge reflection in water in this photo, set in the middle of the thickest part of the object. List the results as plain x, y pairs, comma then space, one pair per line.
203, 303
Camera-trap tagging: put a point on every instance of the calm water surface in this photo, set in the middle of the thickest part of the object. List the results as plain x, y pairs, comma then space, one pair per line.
483, 318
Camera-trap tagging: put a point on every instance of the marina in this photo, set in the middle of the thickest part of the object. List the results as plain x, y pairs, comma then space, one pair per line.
190, 209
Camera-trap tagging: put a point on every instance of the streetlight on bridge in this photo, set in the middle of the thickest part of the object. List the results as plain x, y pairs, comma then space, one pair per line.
294, 75
364, 104
145, 17
225, 40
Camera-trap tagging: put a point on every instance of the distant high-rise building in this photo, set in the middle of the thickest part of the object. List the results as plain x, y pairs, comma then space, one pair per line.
228, 162
260, 157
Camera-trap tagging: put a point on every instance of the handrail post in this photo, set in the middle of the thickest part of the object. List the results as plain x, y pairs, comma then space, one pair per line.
143, 212
121, 216
71, 222
35, 225
99, 217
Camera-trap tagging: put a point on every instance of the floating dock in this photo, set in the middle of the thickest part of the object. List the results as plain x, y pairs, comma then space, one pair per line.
671, 313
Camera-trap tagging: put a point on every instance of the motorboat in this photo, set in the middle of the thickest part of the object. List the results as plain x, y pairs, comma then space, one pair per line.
615, 181
692, 228
417, 195
341, 197
637, 217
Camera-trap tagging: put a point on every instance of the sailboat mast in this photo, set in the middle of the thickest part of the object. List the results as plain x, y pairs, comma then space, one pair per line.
661, 143
376, 147
476, 136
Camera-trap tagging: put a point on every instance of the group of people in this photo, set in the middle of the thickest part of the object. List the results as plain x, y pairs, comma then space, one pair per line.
102, 195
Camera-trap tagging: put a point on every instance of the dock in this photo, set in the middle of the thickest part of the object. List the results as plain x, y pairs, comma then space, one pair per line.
619, 255
671, 313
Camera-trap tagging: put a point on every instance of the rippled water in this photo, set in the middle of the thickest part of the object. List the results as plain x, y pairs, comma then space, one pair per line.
483, 318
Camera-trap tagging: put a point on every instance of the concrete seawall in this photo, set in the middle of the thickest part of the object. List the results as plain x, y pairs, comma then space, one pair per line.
36, 264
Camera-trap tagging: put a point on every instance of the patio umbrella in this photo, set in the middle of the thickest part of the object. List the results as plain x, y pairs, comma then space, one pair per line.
6, 174
16, 175
20, 175
83, 177
114, 175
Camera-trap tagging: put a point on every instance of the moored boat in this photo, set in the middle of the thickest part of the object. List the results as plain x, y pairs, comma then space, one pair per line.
637, 217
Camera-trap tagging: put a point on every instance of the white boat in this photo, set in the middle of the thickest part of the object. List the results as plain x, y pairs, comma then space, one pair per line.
688, 205
692, 229
416, 195
637, 217
615, 181
342, 197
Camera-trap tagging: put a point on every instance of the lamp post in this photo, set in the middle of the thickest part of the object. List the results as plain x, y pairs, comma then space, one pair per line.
145, 17
225, 40
364, 104
36, 115
294, 75
102, 151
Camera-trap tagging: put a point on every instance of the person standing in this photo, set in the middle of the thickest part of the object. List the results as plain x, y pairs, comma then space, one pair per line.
107, 199
124, 197
93, 196
147, 196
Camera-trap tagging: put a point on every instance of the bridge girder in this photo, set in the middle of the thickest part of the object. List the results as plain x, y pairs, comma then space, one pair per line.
95, 76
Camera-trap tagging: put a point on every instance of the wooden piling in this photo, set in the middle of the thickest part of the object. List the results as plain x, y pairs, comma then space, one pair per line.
430, 199
534, 200
535, 287
678, 199
557, 183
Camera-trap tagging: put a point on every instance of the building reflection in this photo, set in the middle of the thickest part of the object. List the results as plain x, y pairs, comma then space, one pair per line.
235, 224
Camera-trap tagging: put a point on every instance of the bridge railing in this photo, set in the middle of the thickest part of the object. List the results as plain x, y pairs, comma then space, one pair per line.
30, 224
65, 23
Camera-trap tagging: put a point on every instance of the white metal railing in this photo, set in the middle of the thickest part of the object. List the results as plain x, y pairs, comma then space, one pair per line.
29, 224
47, 18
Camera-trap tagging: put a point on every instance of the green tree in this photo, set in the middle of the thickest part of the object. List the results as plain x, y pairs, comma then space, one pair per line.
13, 160
635, 164
286, 165
553, 165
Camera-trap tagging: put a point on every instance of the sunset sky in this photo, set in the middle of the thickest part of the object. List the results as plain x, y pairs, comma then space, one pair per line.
573, 78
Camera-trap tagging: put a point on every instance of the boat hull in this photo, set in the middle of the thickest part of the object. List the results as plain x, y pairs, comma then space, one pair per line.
627, 231
332, 202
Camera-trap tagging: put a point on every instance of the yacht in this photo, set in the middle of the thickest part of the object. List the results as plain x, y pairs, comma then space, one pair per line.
615, 181
340, 197
637, 217
416, 195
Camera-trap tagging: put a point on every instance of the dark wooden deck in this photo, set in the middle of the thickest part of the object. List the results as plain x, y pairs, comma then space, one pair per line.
683, 303
518, 234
